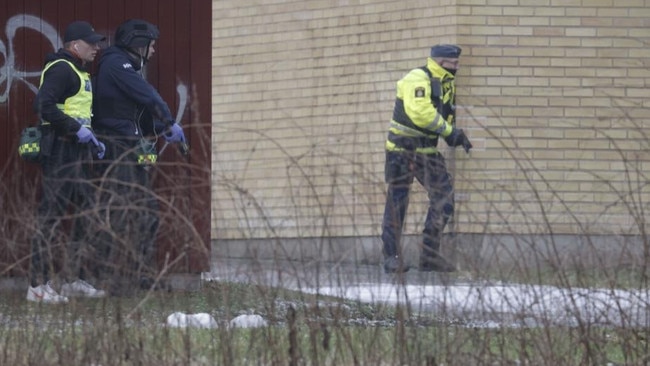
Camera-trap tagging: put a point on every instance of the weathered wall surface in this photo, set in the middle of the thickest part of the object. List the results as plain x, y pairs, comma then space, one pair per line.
552, 93
303, 91
180, 70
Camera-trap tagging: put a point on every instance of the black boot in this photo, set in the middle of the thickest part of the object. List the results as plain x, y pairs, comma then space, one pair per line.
148, 283
121, 286
434, 262
395, 264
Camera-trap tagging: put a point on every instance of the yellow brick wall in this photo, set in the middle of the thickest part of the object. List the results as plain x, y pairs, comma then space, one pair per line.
552, 93
557, 92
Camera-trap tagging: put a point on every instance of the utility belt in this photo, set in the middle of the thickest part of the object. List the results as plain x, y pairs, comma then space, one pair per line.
411, 143
139, 149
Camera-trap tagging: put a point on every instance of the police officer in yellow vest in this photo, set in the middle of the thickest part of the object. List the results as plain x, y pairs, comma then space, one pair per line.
64, 104
424, 111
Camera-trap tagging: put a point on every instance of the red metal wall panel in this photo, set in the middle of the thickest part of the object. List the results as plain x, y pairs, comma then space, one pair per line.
181, 71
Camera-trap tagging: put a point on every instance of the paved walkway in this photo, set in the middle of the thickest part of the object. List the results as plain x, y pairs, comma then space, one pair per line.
455, 297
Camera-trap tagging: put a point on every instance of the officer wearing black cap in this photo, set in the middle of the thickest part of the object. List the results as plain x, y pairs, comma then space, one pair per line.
424, 112
64, 105
81, 30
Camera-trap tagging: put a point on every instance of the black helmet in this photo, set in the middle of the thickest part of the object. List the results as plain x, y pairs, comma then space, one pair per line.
135, 33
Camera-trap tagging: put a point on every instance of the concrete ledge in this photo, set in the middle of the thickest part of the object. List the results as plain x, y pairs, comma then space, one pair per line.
467, 250
177, 282
184, 281
13, 284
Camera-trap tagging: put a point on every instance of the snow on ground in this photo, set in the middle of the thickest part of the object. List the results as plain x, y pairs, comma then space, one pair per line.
511, 304
205, 320
469, 302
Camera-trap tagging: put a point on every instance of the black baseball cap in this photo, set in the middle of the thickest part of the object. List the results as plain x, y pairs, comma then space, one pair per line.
82, 30
445, 50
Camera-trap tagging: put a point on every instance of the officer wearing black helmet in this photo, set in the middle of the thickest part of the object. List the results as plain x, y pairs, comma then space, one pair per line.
130, 115
424, 112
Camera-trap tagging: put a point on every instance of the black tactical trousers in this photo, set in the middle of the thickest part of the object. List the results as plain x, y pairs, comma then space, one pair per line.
67, 194
431, 172
130, 208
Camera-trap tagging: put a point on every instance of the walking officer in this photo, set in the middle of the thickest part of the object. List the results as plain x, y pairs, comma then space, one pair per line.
424, 112
64, 104
130, 115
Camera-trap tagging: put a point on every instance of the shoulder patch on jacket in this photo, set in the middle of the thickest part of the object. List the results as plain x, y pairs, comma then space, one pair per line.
420, 92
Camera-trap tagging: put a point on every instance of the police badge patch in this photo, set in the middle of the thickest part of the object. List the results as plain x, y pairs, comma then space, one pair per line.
420, 92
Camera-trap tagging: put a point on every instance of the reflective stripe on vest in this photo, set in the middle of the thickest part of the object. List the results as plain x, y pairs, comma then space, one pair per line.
404, 134
78, 106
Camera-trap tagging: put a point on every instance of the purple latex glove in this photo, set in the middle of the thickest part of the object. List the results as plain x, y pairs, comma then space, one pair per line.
174, 134
85, 135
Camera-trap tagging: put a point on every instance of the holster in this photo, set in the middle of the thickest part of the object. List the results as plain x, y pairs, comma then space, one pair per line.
47, 140
399, 167
147, 153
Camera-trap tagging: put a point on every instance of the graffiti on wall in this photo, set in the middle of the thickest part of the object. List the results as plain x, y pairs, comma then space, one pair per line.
9, 72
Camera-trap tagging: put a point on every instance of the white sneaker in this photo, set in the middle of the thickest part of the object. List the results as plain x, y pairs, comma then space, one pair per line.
81, 288
45, 293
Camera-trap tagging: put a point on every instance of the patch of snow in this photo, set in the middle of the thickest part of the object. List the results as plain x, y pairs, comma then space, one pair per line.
248, 321
520, 303
199, 320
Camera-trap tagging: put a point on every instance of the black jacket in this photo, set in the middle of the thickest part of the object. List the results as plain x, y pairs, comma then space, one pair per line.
60, 82
125, 104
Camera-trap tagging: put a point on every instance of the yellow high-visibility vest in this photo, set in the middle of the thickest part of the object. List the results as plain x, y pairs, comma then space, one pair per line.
78, 106
422, 110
